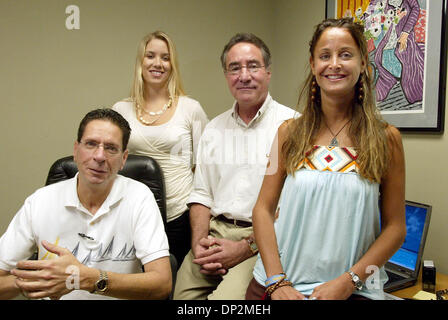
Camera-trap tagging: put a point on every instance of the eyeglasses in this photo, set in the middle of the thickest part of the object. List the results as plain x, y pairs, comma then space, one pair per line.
236, 69
109, 148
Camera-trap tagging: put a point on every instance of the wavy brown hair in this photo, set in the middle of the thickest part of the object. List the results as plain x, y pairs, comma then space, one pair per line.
367, 129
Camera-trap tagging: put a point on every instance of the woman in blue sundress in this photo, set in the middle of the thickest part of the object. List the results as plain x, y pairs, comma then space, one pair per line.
340, 171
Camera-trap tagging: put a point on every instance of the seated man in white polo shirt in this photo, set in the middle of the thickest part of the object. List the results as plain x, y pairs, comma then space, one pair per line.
93, 232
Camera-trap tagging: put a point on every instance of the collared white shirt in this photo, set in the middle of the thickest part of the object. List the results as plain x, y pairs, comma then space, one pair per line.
232, 158
124, 234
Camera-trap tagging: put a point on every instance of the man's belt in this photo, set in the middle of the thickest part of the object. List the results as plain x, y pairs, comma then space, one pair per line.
239, 223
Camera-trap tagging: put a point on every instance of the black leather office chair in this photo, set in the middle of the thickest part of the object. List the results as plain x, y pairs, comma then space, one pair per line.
140, 168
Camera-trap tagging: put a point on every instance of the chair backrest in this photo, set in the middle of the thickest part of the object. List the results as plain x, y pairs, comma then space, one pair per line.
141, 168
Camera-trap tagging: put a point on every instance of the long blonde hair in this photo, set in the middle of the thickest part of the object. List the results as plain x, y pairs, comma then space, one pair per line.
367, 129
175, 87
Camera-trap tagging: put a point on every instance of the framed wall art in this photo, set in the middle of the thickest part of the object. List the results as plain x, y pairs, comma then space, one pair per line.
407, 45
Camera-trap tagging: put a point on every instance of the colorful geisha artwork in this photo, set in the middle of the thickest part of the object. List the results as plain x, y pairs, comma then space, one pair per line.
396, 35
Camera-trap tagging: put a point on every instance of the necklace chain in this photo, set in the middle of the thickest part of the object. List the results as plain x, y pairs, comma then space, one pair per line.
334, 142
141, 111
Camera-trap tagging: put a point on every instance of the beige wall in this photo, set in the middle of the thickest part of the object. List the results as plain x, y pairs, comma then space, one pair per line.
426, 177
50, 77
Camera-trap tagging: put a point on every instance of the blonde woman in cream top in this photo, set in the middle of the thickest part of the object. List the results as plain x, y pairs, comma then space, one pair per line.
166, 125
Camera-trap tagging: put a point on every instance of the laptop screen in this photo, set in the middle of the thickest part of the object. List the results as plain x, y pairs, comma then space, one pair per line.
408, 255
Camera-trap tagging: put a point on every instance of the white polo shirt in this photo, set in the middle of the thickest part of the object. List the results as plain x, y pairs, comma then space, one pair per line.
232, 159
124, 234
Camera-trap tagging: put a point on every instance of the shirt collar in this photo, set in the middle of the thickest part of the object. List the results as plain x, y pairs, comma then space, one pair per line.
260, 112
115, 195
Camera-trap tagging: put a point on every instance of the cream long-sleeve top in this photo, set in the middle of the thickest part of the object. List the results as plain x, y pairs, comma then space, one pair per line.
172, 144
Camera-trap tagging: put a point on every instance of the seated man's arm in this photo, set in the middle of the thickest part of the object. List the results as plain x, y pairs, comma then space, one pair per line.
228, 253
200, 224
154, 283
55, 278
8, 289
201, 199
213, 254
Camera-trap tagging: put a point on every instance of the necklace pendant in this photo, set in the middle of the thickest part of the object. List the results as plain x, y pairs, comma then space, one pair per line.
334, 142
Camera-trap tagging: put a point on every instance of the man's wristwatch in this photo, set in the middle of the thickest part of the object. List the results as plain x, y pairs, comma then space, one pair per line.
357, 282
252, 245
101, 285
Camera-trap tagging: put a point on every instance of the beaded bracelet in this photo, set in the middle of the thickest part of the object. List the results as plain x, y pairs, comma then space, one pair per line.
274, 279
279, 284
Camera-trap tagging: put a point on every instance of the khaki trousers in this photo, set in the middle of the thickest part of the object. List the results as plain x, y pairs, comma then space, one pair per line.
193, 285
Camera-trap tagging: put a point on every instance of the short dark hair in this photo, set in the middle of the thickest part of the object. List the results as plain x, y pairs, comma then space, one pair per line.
249, 38
108, 115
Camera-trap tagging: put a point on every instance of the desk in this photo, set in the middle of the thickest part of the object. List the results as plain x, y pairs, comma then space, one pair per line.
408, 293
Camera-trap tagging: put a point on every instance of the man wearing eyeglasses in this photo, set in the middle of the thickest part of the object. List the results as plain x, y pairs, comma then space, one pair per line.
93, 232
231, 163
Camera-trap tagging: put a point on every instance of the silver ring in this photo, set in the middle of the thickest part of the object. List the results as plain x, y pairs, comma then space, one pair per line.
313, 298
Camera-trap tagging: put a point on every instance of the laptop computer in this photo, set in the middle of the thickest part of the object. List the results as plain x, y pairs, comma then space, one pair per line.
403, 267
